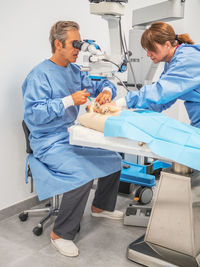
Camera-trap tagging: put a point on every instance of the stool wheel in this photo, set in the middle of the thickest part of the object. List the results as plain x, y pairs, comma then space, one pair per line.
37, 230
23, 216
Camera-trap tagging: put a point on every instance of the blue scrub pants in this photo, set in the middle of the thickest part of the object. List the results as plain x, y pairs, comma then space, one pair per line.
73, 204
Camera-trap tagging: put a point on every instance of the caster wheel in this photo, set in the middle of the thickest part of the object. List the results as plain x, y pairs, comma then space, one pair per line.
37, 230
145, 194
23, 216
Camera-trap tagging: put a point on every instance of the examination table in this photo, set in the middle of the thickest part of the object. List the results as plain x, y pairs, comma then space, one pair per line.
173, 234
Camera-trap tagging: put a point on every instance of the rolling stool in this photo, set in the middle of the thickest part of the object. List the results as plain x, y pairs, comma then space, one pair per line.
51, 207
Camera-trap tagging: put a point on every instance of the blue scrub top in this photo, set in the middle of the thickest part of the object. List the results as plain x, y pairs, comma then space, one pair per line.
179, 80
57, 166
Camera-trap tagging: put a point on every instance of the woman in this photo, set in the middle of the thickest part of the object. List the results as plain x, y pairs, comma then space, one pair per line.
180, 78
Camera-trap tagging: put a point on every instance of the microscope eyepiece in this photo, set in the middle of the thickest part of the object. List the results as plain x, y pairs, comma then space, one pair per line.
76, 44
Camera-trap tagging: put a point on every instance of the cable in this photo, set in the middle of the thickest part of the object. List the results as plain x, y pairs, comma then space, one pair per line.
121, 39
126, 52
131, 67
107, 60
123, 84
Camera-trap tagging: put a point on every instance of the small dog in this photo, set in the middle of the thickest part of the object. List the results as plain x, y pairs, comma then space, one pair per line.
104, 109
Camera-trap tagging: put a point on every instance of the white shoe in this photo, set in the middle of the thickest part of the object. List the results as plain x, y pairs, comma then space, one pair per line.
65, 247
115, 215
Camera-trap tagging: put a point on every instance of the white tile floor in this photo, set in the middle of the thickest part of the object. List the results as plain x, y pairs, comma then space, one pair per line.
102, 242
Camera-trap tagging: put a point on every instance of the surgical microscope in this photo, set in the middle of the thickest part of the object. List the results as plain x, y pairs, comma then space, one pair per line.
173, 234
95, 61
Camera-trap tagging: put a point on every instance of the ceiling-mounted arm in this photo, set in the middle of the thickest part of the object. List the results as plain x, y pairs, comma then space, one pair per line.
116, 1
165, 11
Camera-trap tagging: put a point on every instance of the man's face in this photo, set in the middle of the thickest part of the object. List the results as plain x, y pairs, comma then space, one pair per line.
161, 53
69, 53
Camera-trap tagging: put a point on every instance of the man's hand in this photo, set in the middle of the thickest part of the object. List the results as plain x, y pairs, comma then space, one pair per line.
104, 97
80, 97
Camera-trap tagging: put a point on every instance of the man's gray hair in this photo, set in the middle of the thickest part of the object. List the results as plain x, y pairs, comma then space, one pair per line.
59, 31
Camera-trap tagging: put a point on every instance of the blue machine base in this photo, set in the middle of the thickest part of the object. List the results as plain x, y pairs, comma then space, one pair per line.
137, 174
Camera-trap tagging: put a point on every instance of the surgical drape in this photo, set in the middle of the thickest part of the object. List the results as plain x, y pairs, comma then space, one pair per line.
165, 136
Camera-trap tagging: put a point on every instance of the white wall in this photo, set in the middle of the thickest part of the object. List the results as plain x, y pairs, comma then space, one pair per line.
24, 28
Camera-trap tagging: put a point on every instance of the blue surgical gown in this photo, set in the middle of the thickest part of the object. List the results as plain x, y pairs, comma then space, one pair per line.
57, 166
179, 80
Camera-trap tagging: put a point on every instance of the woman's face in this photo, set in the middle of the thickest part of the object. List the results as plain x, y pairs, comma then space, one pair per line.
163, 52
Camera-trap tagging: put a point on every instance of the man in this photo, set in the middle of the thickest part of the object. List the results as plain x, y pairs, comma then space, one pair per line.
53, 92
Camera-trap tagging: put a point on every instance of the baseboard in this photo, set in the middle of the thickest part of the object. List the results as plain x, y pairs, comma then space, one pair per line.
19, 207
